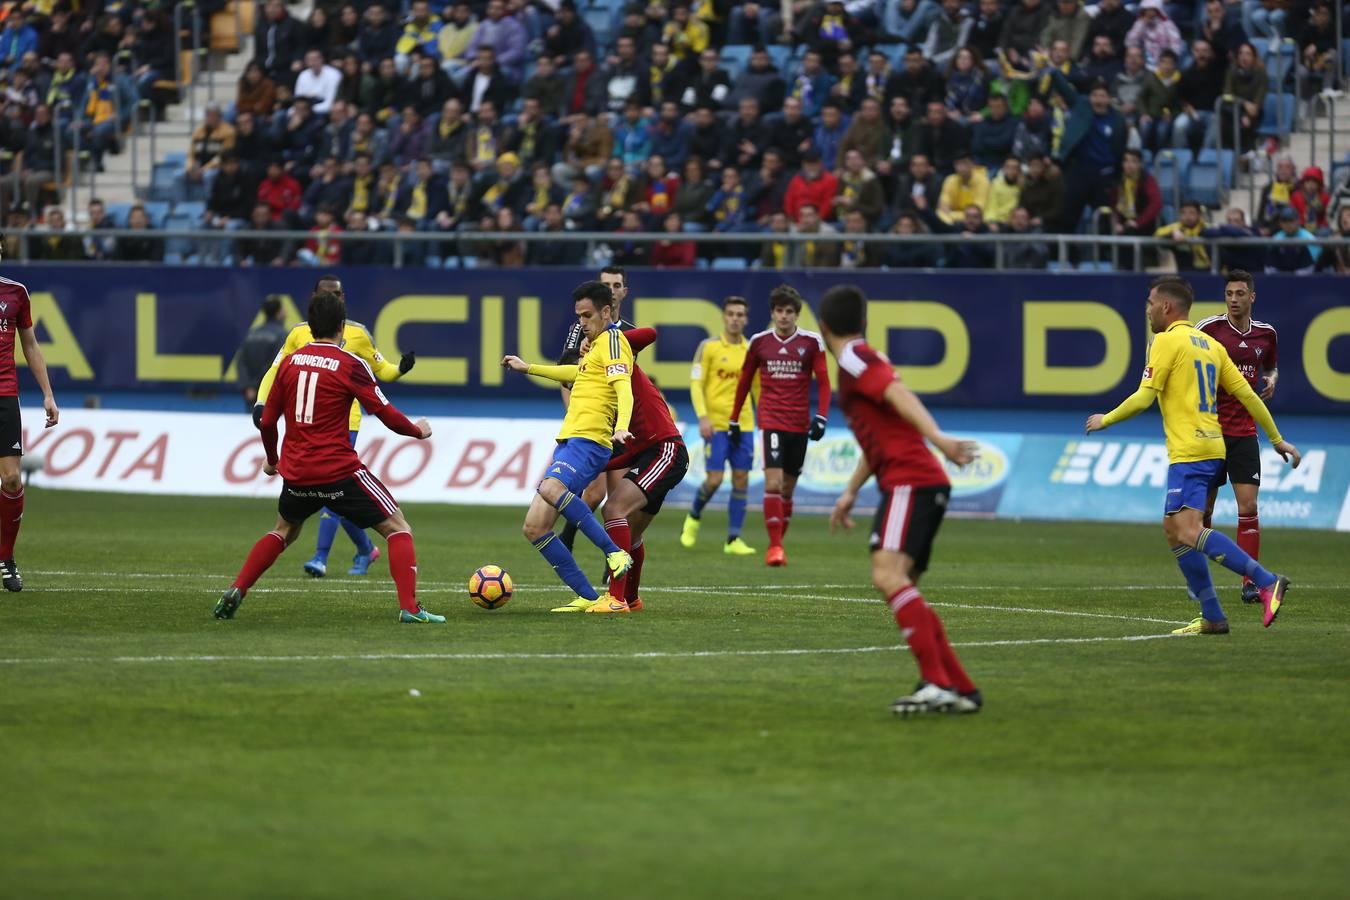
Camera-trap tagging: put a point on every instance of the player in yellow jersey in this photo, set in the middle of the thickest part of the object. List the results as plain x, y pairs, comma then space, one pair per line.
1184, 371
357, 341
712, 388
598, 416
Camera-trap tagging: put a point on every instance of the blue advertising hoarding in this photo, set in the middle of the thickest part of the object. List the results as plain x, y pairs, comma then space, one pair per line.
961, 340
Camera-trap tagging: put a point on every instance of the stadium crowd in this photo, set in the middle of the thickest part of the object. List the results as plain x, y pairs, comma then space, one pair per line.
810, 116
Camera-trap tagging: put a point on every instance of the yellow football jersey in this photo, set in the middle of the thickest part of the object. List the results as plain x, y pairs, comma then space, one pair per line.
597, 400
712, 382
355, 339
1185, 368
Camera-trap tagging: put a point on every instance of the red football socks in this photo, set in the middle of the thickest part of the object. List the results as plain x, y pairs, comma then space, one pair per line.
773, 518
621, 534
787, 514
403, 569
960, 680
916, 623
260, 559
11, 517
1248, 536
635, 573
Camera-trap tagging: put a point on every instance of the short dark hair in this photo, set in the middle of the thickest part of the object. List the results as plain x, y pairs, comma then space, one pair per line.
328, 277
1130, 151
734, 300
327, 312
1243, 276
271, 305
616, 270
785, 295
1191, 203
595, 291
1175, 288
843, 309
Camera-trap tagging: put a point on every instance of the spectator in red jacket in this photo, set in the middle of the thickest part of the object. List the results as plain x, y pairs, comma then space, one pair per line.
324, 248
1135, 200
1311, 199
1136, 203
281, 193
811, 186
673, 254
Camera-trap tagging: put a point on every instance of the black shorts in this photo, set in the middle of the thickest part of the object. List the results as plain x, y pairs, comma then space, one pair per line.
11, 427
657, 470
1241, 463
360, 499
907, 521
785, 450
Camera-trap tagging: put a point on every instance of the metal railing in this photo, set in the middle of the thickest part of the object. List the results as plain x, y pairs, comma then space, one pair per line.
467, 243
1327, 101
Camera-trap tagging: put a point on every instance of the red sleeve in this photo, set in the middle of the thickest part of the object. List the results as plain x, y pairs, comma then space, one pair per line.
1152, 205
822, 373
272, 412
25, 317
640, 338
372, 400
874, 380
1273, 359
747, 377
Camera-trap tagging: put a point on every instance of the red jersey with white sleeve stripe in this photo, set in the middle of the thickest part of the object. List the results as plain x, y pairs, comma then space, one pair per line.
313, 391
651, 423
894, 449
15, 313
786, 366
1254, 352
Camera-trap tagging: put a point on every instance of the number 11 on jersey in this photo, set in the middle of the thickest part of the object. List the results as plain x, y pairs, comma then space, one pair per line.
308, 386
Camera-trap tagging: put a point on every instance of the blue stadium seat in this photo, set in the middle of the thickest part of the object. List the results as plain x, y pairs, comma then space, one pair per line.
735, 58
118, 213
1225, 159
180, 247
1169, 168
1278, 115
193, 209
1202, 184
728, 263
176, 157
601, 21
165, 181
780, 56
156, 211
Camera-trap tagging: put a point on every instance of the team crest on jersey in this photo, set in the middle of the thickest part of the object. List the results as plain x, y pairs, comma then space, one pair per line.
1258, 352
801, 351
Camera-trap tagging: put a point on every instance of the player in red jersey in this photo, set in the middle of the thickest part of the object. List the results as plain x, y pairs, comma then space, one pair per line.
891, 423
16, 317
788, 356
1254, 348
314, 390
647, 468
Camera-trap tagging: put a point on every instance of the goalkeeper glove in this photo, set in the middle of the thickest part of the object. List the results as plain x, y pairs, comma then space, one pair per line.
407, 362
257, 415
817, 428
734, 433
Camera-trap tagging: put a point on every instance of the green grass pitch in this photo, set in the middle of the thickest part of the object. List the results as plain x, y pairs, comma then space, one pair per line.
732, 740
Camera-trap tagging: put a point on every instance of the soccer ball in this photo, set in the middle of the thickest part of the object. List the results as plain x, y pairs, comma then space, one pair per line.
490, 587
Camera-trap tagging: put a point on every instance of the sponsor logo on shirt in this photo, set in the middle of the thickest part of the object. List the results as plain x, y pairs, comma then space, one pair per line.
616, 369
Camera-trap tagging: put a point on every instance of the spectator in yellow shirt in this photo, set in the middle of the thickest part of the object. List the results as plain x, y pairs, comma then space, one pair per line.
967, 186
686, 35
1005, 193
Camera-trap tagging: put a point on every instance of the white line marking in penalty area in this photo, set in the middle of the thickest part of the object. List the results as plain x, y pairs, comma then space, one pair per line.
472, 657
1016, 609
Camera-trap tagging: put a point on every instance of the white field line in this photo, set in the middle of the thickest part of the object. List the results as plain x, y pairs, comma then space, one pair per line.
469, 657
378, 573
657, 591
